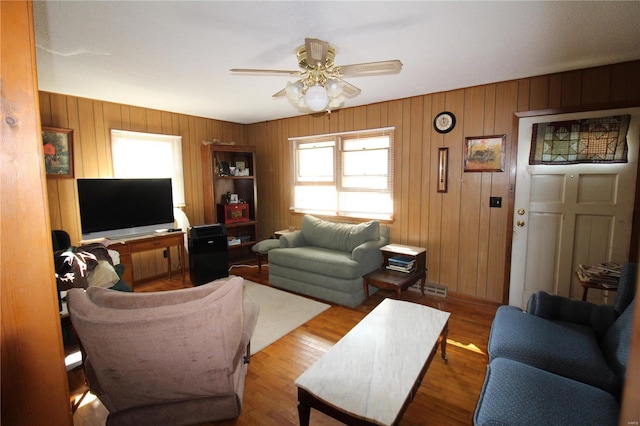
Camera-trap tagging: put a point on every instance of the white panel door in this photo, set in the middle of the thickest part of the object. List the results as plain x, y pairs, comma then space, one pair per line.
565, 215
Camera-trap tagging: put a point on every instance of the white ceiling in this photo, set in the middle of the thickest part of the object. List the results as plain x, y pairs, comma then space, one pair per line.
176, 55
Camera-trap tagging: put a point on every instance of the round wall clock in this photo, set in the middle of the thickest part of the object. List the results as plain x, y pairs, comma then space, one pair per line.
444, 122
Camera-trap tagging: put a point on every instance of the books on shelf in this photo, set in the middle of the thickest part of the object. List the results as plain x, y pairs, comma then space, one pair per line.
401, 260
605, 274
402, 263
401, 269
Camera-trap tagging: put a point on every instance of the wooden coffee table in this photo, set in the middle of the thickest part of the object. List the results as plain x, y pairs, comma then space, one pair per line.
372, 374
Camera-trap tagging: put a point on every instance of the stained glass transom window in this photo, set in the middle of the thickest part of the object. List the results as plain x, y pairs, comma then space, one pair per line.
590, 140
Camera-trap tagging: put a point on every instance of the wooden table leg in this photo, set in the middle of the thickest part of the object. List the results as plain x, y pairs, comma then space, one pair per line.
365, 285
182, 258
443, 342
304, 409
423, 281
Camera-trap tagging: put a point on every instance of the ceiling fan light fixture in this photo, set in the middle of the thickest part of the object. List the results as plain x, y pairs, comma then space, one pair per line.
316, 98
294, 90
334, 87
336, 102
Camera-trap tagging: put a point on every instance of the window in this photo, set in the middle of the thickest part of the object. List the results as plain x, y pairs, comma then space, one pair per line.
345, 174
588, 140
149, 155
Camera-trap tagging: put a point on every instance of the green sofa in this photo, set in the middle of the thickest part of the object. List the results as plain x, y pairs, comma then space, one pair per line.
326, 260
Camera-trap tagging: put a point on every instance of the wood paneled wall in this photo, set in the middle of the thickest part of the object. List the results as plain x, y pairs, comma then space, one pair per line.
468, 243
34, 379
92, 121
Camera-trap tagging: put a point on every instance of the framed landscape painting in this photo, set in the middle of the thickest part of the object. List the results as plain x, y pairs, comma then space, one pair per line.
484, 153
58, 152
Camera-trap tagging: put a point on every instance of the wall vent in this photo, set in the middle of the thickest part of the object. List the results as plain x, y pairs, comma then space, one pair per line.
431, 289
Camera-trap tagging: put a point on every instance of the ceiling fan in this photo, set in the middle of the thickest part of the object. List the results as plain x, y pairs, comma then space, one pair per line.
321, 85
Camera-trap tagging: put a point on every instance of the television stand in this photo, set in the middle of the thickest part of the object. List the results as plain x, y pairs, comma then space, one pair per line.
130, 245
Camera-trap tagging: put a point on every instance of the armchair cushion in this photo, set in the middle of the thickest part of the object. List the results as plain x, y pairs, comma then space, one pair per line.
518, 394
558, 308
338, 236
564, 348
598, 317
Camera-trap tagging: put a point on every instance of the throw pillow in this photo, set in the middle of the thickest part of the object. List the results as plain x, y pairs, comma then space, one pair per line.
103, 275
363, 232
325, 234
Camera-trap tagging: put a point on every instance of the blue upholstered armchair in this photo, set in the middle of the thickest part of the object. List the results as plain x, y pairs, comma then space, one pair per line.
598, 317
573, 353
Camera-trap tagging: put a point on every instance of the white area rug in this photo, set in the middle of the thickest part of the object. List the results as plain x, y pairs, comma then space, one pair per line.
280, 313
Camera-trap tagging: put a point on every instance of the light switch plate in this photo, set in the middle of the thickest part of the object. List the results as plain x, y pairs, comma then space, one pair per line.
495, 201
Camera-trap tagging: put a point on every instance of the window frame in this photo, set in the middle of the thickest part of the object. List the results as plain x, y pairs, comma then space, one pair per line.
177, 172
339, 140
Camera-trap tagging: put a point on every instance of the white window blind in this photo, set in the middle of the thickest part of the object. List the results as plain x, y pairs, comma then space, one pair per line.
149, 155
344, 174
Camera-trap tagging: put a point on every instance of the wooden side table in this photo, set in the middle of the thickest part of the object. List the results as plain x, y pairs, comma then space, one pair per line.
586, 285
397, 281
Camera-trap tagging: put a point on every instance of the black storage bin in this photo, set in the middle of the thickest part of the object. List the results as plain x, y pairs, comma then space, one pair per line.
208, 256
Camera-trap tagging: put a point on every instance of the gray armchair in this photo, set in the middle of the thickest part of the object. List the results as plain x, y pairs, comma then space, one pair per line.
174, 357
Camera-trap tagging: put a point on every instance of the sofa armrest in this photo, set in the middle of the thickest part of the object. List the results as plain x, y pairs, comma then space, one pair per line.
558, 308
292, 239
368, 254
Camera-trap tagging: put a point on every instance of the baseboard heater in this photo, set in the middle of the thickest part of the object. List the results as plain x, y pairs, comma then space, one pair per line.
431, 289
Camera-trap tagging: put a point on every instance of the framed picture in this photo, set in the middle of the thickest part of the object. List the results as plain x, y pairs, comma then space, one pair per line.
484, 153
443, 166
58, 152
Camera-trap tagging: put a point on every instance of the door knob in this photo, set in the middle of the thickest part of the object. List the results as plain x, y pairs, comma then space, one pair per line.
520, 212
520, 223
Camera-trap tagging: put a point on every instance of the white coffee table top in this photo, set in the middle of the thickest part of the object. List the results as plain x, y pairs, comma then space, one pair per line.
369, 373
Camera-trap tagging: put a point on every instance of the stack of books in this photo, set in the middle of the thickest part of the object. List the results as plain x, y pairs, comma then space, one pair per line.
405, 264
605, 274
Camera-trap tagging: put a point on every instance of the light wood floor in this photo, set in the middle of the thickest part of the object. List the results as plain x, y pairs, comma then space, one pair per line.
448, 394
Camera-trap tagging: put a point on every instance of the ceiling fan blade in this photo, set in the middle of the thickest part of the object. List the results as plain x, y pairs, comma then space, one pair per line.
280, 94
371, 68
316, 51
259, 71
349, 89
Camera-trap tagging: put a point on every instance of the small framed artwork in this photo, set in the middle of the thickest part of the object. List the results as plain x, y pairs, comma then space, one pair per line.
443, 166
484, 153
58, 152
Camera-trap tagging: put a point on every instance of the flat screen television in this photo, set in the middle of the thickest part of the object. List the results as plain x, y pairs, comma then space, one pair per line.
117, 208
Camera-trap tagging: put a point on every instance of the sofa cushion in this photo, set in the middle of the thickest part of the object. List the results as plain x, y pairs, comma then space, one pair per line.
338, 236
325, 234
563, 348
317, 260
517, 394
363, 232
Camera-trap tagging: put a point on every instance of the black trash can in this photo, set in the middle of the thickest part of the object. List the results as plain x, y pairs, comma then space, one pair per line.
208, 255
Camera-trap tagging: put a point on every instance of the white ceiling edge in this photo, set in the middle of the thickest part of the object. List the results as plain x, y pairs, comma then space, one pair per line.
175, 56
